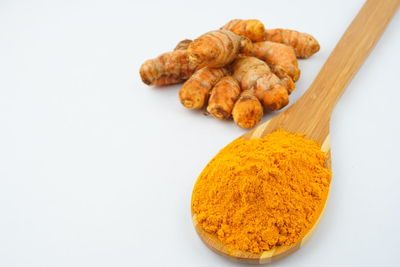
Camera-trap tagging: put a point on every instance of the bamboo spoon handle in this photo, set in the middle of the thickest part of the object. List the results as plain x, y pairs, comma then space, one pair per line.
311, 113
348, 55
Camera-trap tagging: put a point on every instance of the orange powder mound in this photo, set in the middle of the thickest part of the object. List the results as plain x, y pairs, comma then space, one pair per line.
258, 194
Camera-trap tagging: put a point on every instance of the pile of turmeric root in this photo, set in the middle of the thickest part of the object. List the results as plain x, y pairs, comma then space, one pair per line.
238, 71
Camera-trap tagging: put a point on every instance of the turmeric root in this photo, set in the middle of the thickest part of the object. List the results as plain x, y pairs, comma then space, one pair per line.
250, 28
168, 68
247, 111
247, 70
287, 82
281, 58
216, 49
195, 91
223, 97
254, 74
183, 45
271, 92
304, 44
237, 71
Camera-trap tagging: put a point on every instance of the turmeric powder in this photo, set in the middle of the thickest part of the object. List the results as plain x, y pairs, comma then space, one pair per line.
259, 194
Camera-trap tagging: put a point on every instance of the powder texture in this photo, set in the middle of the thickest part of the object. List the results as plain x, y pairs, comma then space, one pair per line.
258, 194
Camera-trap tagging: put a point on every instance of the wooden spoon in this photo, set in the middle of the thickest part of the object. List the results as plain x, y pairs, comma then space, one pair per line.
311, 113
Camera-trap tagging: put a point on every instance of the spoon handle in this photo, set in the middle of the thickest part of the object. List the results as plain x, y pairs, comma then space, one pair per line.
348, 55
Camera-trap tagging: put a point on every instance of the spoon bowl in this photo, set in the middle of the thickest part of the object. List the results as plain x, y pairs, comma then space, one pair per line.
212, 242
310, 115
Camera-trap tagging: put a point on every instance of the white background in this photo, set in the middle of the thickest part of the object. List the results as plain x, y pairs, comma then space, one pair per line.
96, 168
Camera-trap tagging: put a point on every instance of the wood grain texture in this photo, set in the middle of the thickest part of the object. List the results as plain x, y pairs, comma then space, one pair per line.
311, 114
